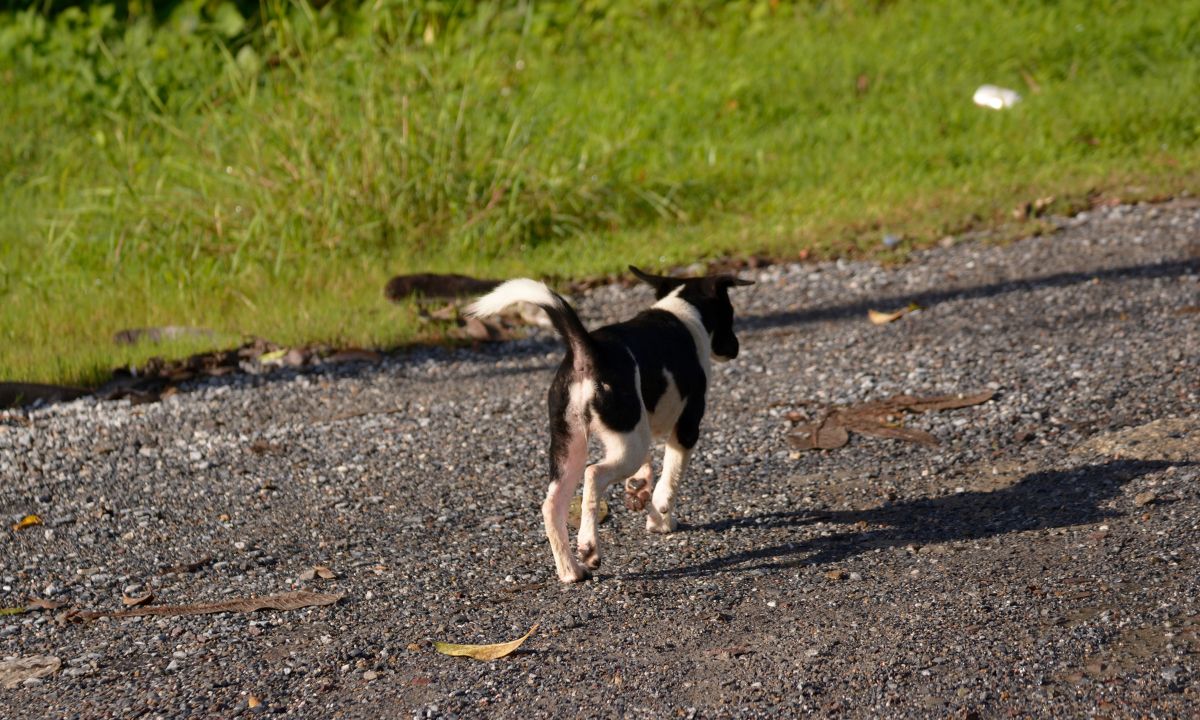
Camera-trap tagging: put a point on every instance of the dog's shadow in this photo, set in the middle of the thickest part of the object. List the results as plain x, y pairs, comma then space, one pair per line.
1038, 501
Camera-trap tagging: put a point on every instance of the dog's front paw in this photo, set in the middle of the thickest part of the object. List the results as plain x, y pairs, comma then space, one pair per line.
578, 573
660, 523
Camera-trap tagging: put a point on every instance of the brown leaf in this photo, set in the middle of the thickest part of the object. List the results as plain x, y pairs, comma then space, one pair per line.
483, 652
134, 601
36, 603
26, 522
16, 671
830, 434
324, 572
877, 429
284, 601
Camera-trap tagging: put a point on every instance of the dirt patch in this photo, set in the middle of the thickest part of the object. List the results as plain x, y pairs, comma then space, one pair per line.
1175, 439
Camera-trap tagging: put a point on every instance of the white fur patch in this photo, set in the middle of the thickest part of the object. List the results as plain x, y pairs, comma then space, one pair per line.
668, 409
511, 292
690, 317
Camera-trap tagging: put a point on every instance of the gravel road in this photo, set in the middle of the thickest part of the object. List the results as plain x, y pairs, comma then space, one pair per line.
1041, 561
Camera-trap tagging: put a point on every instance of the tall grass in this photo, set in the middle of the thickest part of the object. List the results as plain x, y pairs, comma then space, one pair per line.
266, 175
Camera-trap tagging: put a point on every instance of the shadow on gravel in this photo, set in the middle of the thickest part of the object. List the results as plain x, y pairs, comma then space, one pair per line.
1166, 269
1048, 499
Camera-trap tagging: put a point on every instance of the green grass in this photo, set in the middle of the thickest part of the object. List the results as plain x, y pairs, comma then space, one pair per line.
267, 179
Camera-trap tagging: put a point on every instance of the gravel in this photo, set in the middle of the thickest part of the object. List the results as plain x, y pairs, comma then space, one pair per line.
1042, 560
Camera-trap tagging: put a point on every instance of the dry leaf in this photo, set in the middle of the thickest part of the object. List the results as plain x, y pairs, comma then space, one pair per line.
877, 429
881, 318
324, 572
274, 356
134, 601
575, 510
12, 610
826, 435
36, 603
15, 672
284, 601
483, 652
26, 522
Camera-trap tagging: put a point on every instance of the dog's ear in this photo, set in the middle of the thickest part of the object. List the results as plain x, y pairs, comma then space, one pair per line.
662, 285
714, 284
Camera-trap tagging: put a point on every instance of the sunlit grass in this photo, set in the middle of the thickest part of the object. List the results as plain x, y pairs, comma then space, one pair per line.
277, 203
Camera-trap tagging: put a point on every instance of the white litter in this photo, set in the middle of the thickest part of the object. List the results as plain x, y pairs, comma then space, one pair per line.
996, 97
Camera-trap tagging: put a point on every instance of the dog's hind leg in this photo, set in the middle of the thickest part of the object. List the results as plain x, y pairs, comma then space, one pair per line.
568, 455
624, 453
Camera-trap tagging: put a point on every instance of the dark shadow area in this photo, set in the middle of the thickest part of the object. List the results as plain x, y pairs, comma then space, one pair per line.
1041, 500
858, 308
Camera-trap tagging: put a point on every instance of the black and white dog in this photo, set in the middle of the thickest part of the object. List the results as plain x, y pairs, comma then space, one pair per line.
628, 383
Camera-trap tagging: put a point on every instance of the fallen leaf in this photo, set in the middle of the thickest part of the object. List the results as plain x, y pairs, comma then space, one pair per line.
483, 652
876, 429
883, 318
829, 434
284, 601
27, 522
134, 601
12, 610
575, 510
324, 572
275, 356
16, 671
36, 603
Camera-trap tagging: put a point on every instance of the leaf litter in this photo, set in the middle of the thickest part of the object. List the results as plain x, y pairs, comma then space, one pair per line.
27, 522
483, 652
881, 419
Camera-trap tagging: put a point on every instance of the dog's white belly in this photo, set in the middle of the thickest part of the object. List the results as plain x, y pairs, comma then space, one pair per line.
666, 412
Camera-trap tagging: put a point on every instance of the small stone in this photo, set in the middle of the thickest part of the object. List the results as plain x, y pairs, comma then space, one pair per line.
1171, 674
855, 576
836, 575
1143, 499
172, 666
370, 675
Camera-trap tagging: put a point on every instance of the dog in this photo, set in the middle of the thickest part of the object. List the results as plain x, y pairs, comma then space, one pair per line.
629, 384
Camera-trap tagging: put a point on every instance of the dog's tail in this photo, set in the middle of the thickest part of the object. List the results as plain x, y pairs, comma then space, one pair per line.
562, 315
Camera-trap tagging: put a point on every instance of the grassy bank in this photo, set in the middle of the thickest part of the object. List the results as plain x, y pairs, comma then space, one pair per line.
265, 175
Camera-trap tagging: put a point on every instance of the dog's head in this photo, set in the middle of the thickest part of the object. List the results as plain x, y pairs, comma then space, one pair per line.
710, 296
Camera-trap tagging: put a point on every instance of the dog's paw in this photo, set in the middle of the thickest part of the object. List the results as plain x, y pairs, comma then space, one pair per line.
657, 523
589, 555
577, 574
